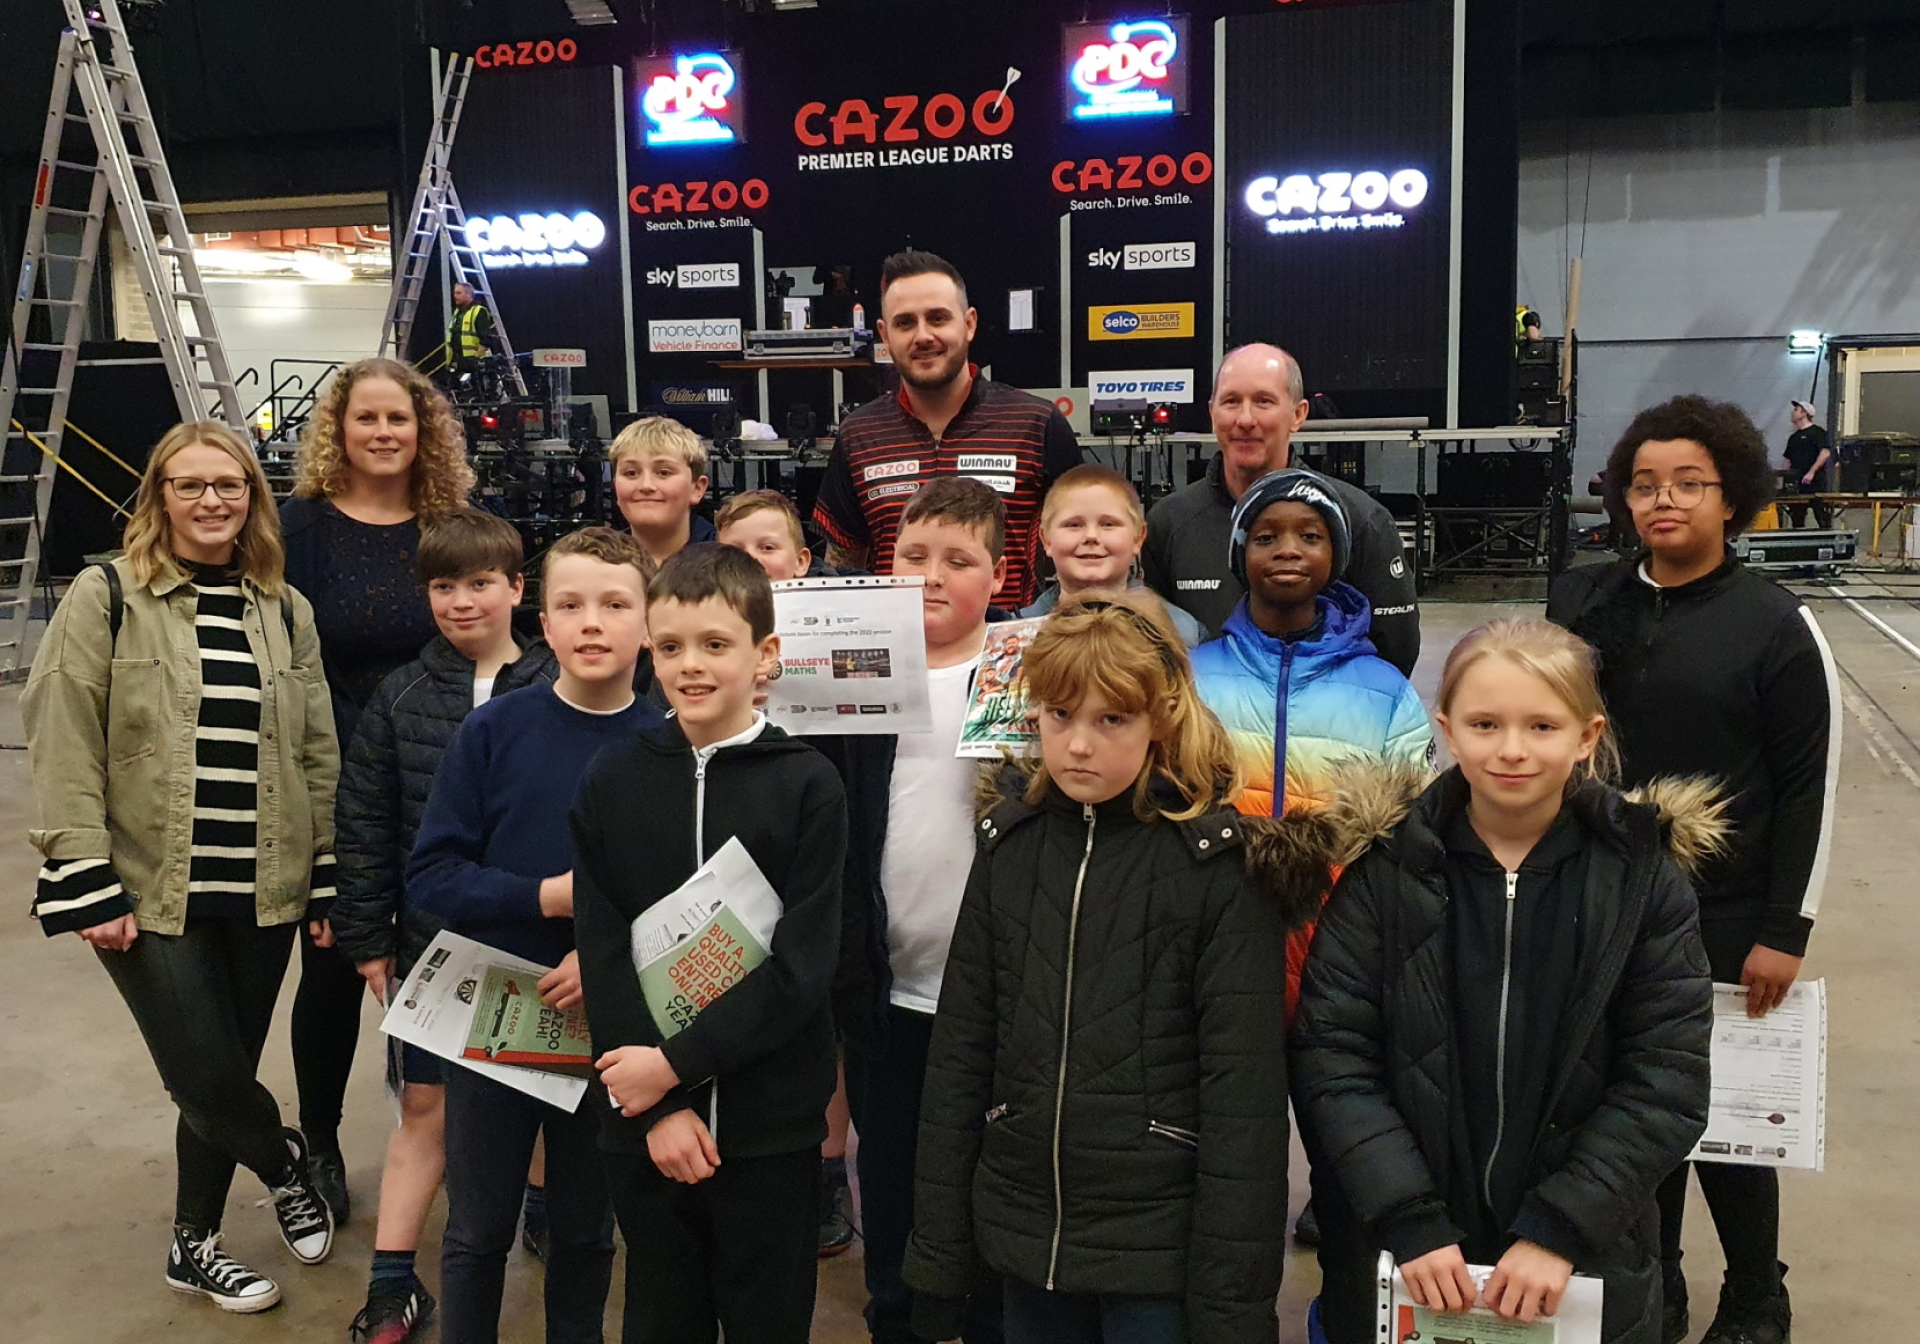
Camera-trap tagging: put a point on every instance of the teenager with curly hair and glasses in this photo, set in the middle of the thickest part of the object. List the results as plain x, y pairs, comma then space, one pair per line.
383, 454
1710, 669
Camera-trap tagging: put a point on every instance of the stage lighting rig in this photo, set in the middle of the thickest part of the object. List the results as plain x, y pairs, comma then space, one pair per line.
1123, 415
591, 13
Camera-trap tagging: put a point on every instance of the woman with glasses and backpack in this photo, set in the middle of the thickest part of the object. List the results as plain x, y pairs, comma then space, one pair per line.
184, 763
1709, 669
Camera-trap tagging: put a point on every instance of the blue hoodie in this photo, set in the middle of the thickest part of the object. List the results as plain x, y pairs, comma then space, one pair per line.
1295, 707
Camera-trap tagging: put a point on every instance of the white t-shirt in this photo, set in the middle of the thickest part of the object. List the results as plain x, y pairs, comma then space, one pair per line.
482, 690
929, 849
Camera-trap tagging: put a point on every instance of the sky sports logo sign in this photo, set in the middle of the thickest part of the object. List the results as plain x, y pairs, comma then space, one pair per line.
1145, 257
1155, 385
693, 335
713, 275
1140, 322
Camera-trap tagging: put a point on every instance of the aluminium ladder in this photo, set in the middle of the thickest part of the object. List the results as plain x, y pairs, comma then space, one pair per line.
97, 86
438, 218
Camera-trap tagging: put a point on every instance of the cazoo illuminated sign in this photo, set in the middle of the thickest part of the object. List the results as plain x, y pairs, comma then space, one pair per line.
535, 239
1336, 200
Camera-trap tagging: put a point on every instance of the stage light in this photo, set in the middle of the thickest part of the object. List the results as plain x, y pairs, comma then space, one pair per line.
1161, 417
1805, 342
591, 13
489, 420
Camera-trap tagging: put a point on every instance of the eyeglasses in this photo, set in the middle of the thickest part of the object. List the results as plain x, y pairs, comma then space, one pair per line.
1682, 494
227, 487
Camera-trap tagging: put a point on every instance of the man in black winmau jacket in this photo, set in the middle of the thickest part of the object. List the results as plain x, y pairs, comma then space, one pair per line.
1258, 402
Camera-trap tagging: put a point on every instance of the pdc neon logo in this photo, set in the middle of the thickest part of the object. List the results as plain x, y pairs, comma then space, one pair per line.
1130, 74
1336, 200
690, 104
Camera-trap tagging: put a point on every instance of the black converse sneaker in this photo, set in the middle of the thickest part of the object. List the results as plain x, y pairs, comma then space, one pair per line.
306, 1224
197, 1265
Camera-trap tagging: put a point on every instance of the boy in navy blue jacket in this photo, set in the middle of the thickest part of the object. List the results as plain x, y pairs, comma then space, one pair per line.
714, 1153
494, 862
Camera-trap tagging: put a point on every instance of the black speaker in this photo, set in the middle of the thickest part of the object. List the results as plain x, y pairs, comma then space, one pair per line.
1506, 480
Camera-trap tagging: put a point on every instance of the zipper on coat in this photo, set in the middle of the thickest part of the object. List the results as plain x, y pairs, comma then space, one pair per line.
1066, 1034
1500, 1043
700, 759
1280, 730
1185, 1137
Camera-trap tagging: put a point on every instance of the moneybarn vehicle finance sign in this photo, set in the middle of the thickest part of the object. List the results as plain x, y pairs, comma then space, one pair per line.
692, 335
1140, 322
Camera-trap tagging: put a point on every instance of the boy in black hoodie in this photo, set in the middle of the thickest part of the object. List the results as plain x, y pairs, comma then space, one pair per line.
713, 1154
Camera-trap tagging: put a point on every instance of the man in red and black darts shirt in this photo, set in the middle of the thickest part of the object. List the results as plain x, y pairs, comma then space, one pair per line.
946, 420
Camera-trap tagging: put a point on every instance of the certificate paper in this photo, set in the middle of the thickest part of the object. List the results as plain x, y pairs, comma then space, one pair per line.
1769, 1105
853, 657
434, 1010
1402, 1322
997, 705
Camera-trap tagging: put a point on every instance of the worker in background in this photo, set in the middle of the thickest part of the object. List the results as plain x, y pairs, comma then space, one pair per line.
1808, 453
1526, 324
471, 334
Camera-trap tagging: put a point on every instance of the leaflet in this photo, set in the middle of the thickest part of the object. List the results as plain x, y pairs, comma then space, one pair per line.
998, 710
1402, 1322
853, 657
436, 1010
1769, 1106
695, 944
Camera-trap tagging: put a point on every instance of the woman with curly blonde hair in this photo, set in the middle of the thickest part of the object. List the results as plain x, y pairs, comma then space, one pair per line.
383, 454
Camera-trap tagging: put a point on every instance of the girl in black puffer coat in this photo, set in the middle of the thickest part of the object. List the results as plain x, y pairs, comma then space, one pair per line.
1501, 1047
1104, 1123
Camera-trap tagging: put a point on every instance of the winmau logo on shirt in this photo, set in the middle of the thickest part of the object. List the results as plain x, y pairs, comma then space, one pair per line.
1196, 585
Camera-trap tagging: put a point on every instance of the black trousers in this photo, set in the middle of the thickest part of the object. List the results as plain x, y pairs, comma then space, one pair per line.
203, 1000
1794, 504
738, 1252
490, 1134
1036, 1316
883, 1097
326, 1029
1744, 1201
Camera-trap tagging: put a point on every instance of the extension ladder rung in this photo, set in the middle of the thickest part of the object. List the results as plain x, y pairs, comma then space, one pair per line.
66, 213
62, 303
187, 296
42, 345
74, 166
27, 521
37, 391
17, 480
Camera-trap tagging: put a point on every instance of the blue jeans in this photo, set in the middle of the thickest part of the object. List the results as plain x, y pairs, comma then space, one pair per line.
1036, 1316
490, 1134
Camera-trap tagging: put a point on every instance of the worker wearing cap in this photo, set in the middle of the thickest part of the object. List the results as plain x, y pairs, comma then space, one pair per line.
1808, 453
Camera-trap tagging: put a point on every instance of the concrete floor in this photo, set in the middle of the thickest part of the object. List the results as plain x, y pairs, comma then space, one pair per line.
86, 1155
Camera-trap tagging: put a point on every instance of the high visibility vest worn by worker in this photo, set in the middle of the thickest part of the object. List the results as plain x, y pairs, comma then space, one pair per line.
471, 334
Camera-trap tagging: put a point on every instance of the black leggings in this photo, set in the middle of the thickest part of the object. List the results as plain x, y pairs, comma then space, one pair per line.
1744, 1201
203, 1000
326, 1029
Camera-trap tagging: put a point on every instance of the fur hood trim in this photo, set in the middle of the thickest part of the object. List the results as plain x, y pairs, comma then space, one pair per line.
1286, 858
1370, 802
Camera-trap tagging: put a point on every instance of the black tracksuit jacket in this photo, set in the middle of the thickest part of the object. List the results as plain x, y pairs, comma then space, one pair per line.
1431, 1121
648, 813
1730, 677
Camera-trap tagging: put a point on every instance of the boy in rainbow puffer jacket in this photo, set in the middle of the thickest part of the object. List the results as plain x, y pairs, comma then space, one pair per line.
1293, 676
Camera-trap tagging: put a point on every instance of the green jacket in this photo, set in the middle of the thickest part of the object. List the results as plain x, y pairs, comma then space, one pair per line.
110, 738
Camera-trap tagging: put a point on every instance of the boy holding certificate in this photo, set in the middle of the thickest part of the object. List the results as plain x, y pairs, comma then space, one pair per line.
712, 1147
